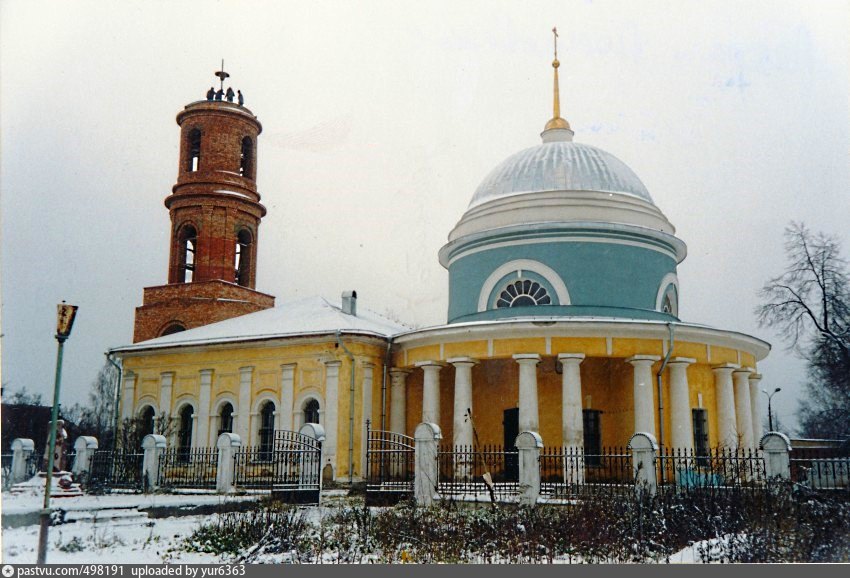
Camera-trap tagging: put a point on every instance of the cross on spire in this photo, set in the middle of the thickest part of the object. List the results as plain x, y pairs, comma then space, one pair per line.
555, 32
222, 74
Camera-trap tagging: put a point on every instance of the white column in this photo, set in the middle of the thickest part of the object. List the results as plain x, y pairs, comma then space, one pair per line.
128, 399
166, 380
755, 407
243, 412
529, 417
430, 391
727, 431
204, 393
572, 424
287, 395
644, 402
331, 412
398, 400
368, 374
743, 411
681, 422
463, 400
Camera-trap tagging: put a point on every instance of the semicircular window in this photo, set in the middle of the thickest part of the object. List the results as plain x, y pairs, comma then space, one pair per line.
523, 293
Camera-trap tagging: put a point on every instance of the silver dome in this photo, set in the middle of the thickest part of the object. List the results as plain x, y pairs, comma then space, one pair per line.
559, 166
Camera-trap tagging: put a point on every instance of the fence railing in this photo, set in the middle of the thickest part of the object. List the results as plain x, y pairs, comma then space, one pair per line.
716, 469
486, 473
390, 463
821, 470
188, 468
115, 469
6, 461
568, 472
290, 465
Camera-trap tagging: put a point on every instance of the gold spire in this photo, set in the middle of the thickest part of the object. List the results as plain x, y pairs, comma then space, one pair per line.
556, 121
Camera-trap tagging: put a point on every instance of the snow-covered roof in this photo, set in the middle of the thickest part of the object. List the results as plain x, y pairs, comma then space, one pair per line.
303, 317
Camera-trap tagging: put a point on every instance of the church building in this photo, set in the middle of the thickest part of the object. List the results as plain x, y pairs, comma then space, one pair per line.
562, 318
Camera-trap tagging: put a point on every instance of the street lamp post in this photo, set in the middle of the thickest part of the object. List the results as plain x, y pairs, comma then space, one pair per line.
64, 322
769, 408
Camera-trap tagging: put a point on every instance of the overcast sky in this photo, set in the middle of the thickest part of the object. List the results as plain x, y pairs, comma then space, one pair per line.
380, 119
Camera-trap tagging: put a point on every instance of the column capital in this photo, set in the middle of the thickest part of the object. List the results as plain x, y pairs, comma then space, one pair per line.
367, 364
756, 377
399, 371
167, 375
430, 363
643, 359
246, 369
571, 357
288, 365
206, 371
747, 370
462, 360
527, 358
129, 374
681, 361
332, 363
727, 367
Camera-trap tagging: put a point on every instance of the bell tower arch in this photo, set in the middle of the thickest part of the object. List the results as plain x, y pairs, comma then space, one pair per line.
215, 213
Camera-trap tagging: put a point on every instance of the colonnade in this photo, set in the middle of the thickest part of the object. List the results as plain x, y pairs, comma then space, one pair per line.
737, 407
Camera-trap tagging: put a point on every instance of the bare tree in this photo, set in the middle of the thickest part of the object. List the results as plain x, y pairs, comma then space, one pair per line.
810, 305
97, 417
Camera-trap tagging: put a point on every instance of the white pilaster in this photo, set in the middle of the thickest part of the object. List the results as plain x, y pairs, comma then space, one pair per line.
128, 399
572, 424
644, 402
166, 380
463, 400
743, 410
755, 407
243, 412
681, 423
204, 393
529, 416
368, 375
331, 412
727, 431
287, 395
430, 391
398, 400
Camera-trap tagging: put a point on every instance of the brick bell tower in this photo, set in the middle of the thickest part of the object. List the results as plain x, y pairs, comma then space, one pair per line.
215, 215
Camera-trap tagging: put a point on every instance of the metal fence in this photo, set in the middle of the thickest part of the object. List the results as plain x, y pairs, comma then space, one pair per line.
570, 472
188, 468
111, 469
820, 470
716, 469
6, 461
291, 465
390, 466
483, 474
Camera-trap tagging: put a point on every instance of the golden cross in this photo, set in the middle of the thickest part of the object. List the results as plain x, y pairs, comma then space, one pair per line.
222, 74
555, 32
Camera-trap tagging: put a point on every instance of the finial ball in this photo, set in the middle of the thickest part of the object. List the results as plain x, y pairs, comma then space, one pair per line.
555, 63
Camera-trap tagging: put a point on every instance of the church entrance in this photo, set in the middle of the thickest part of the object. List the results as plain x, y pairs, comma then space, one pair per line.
510, 425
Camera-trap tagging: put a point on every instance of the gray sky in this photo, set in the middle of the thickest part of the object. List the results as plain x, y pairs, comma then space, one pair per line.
380, 119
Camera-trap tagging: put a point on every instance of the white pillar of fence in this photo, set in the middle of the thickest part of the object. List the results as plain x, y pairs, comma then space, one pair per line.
529, 443
153, 446
777, 455
22, 449
308, 468
228, 444
426, 436
85, 446
644, 450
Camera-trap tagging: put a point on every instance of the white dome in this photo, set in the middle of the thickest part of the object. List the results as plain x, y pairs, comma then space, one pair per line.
559, 166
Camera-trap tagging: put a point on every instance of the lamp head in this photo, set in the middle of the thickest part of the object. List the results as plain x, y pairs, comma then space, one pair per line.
65, 315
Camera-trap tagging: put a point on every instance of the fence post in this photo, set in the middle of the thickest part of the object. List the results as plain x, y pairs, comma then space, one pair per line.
153, 445
22, 449
427, 473
227, 444
85, 446
317, 432
644, 449
777, 458
529, 443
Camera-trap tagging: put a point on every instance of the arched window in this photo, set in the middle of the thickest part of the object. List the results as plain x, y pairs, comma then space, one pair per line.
193, 162
225, 420
173, 328
243, 257
184, 433
146, 421
523, 293
266, 430
311, 411
246, 159
188, 239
